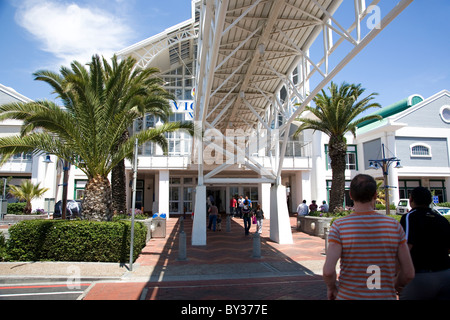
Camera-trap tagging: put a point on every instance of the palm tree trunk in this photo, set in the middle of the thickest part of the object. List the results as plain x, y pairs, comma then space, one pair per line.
97, 199
27, 209
118, 186
337, 152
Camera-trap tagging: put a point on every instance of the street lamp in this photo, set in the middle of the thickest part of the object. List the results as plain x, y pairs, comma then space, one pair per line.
66, 168
384, 164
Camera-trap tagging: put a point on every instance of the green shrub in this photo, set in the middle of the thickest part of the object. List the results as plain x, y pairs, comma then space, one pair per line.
444, 204
396, 217
60, 240
379, 206
16, 208
2, 247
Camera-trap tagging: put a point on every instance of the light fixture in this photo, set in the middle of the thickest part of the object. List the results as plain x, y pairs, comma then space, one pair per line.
384, 164
261, 48
159, 123
48, 159
373, 166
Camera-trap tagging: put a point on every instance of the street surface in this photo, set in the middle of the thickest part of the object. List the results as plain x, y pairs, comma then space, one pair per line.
42, 291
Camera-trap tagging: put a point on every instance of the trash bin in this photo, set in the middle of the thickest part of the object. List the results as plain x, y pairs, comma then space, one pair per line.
159, 225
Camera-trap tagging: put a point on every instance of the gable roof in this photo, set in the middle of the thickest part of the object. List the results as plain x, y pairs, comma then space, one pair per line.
11, 95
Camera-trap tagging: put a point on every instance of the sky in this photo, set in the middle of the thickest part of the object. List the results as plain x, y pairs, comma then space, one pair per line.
410, 56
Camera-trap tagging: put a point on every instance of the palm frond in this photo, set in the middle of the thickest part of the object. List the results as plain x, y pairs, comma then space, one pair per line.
336, 112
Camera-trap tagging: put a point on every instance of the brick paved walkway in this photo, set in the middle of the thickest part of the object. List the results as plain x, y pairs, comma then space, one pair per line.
224, 269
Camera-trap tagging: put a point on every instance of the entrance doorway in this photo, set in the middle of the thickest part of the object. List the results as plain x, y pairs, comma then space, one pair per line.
218, 195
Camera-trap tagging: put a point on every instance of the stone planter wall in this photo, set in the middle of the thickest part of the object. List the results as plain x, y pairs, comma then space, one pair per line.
13, 218
313, 225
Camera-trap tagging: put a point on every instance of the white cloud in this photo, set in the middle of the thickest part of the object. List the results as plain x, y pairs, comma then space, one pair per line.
73, 32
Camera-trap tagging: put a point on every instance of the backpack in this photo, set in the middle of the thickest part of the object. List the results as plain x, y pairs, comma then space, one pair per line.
246, 208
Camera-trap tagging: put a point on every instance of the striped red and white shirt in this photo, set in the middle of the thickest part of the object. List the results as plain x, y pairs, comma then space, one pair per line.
370, 242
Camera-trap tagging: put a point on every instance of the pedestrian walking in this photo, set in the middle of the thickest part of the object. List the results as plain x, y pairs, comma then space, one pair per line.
240, 205
233, 204
368, 245
428, 237
246, 214
213, 212
258, 215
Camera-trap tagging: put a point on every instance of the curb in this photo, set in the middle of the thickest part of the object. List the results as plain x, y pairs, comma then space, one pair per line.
24, 280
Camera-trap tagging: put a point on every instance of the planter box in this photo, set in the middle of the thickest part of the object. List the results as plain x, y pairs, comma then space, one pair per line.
313, 225
12, 218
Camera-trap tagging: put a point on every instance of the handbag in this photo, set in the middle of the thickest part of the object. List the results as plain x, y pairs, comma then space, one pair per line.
254, 220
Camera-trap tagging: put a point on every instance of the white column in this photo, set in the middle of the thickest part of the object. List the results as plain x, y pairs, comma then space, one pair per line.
447, 189
227, 199
393, 184
163, 192
199, 225
306, 187
45, 174
265, 199
318, 173
390, 150
280, 225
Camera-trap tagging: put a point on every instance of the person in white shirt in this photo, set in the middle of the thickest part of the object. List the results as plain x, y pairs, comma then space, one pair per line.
302, 209
240, 206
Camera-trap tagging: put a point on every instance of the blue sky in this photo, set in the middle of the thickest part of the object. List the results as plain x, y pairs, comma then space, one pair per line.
411, 56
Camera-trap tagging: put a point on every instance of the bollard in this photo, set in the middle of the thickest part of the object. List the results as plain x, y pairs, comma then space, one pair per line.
325, 229
181, 224
182, 247
228, 223
256, 245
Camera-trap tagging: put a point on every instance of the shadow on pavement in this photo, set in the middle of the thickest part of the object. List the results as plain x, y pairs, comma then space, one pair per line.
225, 268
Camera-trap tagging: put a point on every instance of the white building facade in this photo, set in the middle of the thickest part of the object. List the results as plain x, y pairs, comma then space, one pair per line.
243, 72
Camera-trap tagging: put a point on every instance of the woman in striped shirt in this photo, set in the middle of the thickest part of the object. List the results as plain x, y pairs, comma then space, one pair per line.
369, 245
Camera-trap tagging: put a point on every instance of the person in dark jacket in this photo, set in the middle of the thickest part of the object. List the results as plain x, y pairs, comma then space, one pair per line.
428, 237
259, 216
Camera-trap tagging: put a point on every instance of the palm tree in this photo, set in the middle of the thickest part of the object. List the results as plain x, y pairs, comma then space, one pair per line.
100, 102
335, 115
381, 192
155, 102
27, 191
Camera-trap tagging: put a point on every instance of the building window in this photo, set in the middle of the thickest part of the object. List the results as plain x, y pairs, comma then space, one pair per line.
351, 158
420, 150
80, 185
139, 204
181, 194
188, 193
405, 187
179, 141
174, 199
437, 188
23, 157
348, 202
445, 113
252, 194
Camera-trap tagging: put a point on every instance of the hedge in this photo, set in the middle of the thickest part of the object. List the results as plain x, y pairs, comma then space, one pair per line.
396, 217
16, 208
61, 240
